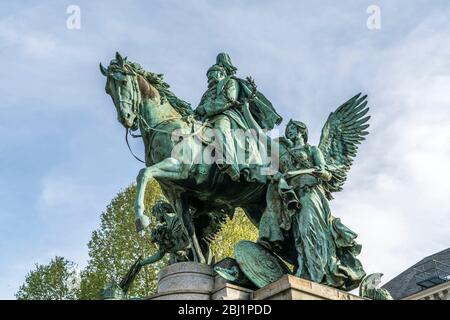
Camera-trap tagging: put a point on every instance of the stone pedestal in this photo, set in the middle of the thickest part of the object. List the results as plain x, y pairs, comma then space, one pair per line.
224, 290
194, 281
293, 288
185, 281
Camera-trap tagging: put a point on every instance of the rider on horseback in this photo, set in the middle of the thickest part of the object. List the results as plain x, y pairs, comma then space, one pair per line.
222, 104
218, 105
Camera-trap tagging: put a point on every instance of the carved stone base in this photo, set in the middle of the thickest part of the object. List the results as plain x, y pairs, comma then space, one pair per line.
293, 288
194, 281
224, 290
185, 281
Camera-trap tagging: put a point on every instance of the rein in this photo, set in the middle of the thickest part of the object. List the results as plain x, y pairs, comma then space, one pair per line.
148, 128
128, 144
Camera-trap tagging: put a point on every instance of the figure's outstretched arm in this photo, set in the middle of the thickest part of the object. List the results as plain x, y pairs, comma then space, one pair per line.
154, 258
319, 161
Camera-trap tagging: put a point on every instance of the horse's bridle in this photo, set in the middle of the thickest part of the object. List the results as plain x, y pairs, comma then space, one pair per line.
142, 123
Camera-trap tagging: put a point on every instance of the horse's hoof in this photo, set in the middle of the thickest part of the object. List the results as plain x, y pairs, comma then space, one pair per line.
142, 223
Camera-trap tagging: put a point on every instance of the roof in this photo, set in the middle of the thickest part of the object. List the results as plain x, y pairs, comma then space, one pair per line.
405, 284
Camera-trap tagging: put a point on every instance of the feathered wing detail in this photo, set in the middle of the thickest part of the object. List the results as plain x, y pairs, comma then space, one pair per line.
344, 130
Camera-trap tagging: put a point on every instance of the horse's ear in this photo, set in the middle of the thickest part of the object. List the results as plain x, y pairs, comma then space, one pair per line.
103, 70
119, 59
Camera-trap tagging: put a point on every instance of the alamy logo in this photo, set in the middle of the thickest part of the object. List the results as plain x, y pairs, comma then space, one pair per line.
73, 22
208, 146
374, 20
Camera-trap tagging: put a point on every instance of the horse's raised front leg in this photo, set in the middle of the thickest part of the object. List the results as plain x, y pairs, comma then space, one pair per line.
171, 169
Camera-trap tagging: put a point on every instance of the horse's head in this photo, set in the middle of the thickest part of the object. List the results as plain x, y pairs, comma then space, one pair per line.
122, 86
131, 88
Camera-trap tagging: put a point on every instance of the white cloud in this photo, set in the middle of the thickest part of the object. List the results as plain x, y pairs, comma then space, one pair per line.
397, 199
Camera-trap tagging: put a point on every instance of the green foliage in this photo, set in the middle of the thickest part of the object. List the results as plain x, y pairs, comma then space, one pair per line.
238, 228
57, 280
115, 246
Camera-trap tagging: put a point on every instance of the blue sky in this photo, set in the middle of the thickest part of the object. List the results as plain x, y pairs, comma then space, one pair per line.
62, 151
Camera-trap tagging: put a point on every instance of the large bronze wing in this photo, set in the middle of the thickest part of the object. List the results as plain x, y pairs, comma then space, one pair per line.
344, 130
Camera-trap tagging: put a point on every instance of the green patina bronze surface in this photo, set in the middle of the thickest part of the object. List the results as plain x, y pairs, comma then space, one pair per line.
260, 265
298, 209
169, 235
201, 194
290, 206
370, 289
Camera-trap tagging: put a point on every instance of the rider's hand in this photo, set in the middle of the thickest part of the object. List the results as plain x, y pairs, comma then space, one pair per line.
322, 174
238, 105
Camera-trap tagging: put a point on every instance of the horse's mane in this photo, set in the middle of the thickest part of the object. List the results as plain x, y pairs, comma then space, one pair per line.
157, 82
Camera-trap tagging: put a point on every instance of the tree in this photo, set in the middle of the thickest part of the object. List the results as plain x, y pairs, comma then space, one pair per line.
57, 280
238, 228
115, 246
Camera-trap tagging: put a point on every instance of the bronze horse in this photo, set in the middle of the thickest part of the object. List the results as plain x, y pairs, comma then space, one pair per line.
144, 102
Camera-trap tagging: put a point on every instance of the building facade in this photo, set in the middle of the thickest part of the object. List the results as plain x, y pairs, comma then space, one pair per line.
429, 279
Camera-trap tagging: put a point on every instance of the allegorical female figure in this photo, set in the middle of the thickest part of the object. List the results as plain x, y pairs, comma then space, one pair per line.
300, 227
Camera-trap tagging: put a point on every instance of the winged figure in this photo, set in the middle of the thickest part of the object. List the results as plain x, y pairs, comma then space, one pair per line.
343, 131
297, 222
